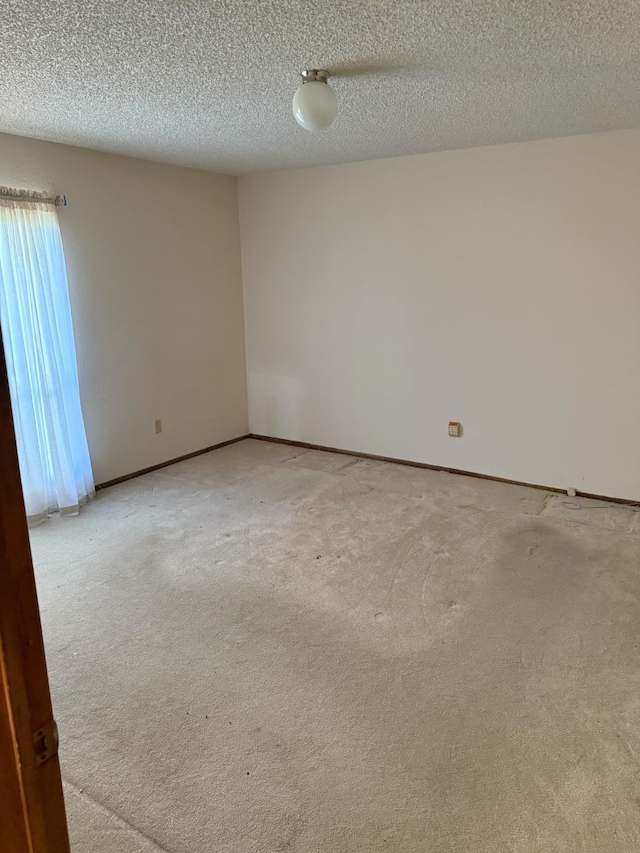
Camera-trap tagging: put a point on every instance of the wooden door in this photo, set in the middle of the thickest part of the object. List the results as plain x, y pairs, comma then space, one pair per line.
32, 815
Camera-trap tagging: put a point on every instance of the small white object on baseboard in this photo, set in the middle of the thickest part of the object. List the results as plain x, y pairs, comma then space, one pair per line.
571, 492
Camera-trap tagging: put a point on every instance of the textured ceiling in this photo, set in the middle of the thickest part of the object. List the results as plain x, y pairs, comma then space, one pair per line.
209, 83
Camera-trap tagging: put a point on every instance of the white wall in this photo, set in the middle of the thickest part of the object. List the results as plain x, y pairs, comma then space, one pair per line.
153, 259
496, 286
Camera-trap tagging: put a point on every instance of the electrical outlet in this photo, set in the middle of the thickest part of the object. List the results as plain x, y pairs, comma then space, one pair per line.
157, 426
455, 429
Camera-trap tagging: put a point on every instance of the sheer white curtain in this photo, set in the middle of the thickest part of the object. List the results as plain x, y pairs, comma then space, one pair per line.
35, 318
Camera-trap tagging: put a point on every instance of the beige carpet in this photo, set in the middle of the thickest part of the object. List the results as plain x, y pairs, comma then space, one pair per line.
266, 649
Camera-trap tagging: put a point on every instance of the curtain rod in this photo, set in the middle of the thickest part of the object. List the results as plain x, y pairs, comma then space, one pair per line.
57, 200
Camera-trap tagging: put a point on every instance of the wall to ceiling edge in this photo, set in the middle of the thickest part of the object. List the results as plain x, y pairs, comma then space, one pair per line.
495, 286
153, 260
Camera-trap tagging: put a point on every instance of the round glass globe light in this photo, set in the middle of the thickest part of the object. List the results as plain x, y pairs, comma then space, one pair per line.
315, 105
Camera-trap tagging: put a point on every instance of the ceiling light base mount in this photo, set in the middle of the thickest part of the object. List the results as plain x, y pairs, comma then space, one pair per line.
315, 75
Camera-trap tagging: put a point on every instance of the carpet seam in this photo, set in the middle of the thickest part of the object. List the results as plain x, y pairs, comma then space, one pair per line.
82, 793
542, 513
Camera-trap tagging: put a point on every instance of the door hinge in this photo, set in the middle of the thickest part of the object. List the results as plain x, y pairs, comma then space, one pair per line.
45, 742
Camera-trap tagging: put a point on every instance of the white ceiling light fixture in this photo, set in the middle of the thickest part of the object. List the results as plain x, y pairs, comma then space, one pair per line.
314, 103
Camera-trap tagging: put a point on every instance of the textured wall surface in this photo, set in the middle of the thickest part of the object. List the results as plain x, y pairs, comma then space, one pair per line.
153, 260
210, 84
497, 286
